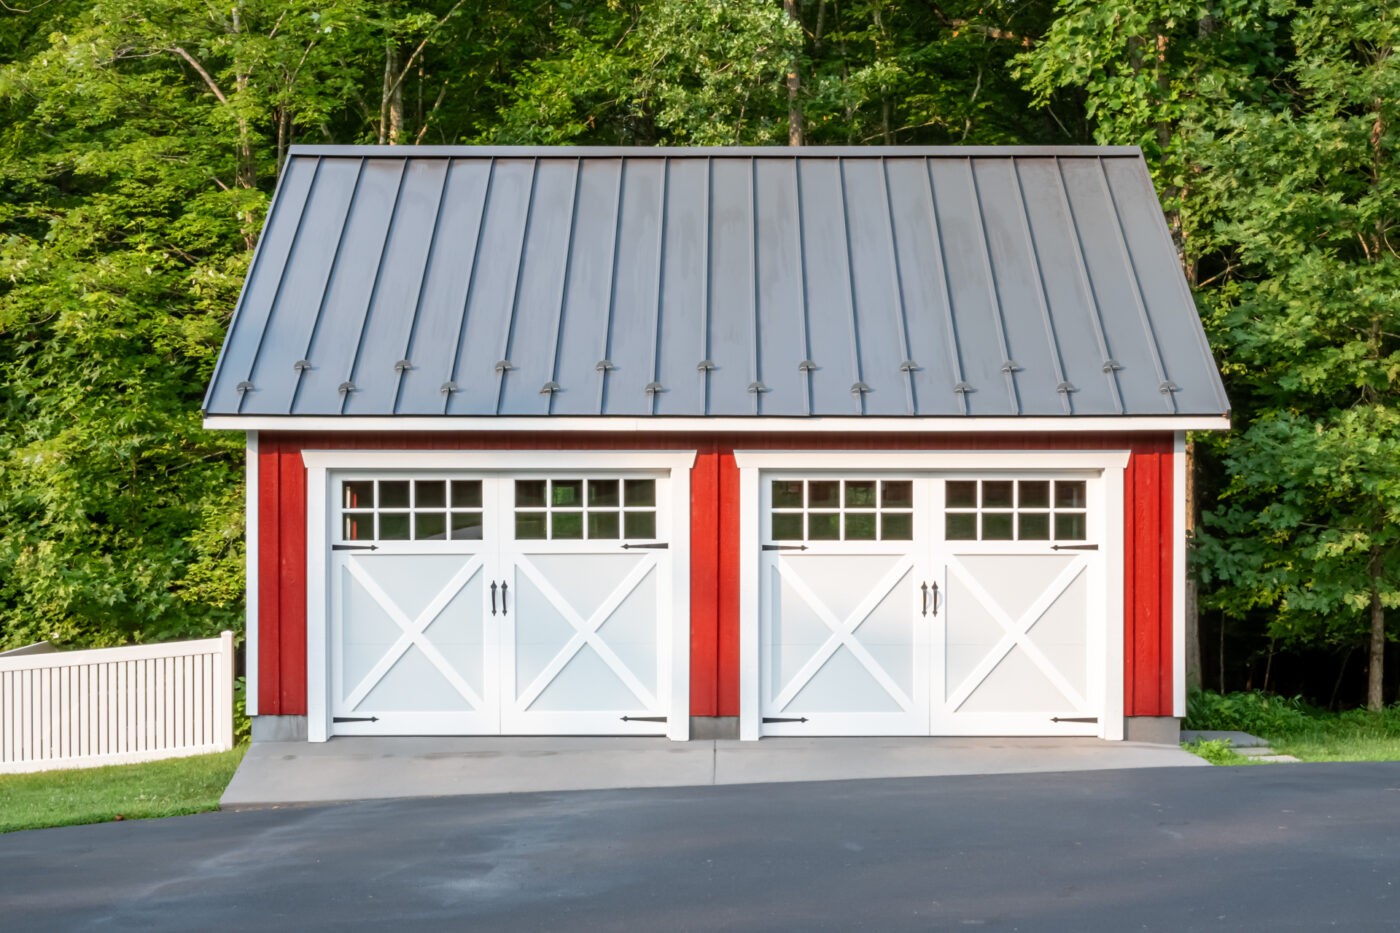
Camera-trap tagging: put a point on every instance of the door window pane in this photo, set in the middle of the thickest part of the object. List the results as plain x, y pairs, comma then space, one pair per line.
602, 493
394, 526
430, 494
466, 526
639, 492
639, 524
529, 493
567, 526
860, 526
393, 494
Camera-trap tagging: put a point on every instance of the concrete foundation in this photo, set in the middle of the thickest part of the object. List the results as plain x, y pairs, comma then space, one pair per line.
703, 728
279, 728
1155, 730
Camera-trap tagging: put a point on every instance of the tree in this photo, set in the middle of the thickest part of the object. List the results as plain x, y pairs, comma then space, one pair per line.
1306, 202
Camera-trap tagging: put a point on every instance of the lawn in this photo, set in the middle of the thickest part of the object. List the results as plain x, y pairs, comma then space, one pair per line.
132, 792
1294, 728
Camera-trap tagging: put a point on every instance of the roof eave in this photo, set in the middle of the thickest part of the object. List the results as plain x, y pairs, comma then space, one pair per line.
721, 425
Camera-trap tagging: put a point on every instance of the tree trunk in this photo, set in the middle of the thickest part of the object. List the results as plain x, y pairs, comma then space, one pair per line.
796, 134
391, 100
1375, 672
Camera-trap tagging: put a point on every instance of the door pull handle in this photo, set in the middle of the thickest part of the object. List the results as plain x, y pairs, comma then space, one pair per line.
924, 587
935, 599
493, 597
505, 610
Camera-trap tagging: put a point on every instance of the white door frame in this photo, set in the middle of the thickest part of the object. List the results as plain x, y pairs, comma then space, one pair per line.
320, 463
1110, 464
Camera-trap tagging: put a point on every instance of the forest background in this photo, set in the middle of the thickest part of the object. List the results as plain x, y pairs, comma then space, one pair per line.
140, 141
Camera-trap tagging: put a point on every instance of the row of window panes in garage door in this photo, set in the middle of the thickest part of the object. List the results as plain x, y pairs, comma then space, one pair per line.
438, 510
882, 510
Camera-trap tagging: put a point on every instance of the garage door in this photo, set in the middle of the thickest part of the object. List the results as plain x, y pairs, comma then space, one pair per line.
498, 604
952, 605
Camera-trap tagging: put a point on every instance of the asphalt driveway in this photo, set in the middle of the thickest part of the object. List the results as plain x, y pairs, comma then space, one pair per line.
1284, 847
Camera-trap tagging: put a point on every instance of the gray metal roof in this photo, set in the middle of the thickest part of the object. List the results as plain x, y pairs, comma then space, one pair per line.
722, 282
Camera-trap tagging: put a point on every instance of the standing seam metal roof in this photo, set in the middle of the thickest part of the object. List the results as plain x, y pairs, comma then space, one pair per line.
715, 282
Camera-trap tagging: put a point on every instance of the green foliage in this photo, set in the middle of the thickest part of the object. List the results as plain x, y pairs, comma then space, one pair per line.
1255, 712
242, 722
1218, 752
173, 787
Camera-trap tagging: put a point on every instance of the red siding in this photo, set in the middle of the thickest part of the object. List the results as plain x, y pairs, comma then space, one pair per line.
714, 594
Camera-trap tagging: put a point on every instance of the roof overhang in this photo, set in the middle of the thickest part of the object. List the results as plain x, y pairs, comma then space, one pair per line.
719, 425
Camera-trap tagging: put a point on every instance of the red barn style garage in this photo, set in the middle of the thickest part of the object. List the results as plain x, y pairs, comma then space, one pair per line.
715, 442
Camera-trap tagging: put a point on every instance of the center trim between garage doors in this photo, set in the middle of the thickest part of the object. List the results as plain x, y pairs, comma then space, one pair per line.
1106, 467
321, 464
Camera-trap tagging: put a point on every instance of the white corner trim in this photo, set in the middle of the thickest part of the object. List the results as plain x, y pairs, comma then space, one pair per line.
250, 571
622, 425
320, 463
1179, 505
1113, 725
750, 647
318, 707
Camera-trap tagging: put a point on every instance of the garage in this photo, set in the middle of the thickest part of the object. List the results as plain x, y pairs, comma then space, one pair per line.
716, 443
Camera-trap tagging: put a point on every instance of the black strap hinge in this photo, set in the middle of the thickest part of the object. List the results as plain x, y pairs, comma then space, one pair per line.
1074, 547
354, 719
1074, 719
782, 719
643, 718
658, 546
354, 547
785, 547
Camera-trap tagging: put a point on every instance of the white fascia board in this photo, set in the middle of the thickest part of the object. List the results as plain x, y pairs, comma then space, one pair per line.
499, 459
417, 424
941, 460
250, 551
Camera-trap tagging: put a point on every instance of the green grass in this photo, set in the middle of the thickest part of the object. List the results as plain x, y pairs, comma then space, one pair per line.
1219, 752
172, 787
1294, 728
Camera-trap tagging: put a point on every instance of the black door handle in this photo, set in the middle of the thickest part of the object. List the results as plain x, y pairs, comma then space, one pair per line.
493, 597
505, 611
935, 599
925, 603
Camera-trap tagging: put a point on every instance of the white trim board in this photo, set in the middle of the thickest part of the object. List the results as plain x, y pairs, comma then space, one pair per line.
708, 425
250, 556
1110, 464
319, 464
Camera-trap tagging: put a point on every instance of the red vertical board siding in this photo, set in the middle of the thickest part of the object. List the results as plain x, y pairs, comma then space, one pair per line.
704, 575
1166, 577
292, 639
729, 574
1147, 585
269, 576
715, 569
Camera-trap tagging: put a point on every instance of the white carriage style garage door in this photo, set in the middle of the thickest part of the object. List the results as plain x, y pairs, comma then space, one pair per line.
488, 604
948, 605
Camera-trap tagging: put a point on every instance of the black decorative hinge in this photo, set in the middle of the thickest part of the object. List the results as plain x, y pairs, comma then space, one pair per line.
785, 547
660, 545
781, 719
1074, 547
354, 547
354, 719
643, 718
1074, 719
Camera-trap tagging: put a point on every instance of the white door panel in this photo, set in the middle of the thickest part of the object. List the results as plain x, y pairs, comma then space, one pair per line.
410, 650
842, 639
583, 631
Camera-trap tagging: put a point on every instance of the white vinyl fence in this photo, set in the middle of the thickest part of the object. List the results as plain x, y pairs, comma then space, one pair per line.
111, 706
